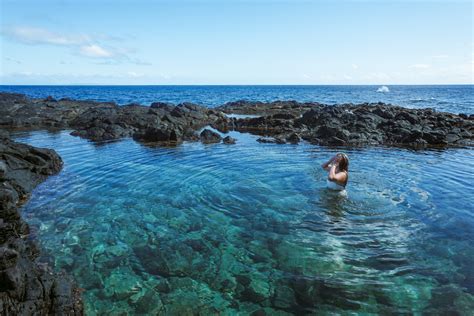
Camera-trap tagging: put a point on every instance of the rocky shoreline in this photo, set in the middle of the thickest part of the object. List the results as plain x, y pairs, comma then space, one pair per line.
29, 287
26, 286
352, 125
365, 124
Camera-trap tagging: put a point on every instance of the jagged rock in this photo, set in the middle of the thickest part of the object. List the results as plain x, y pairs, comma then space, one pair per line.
25, 287
4, 134
229, 140
293, 138
99, 121
208, 137
354, 125
272, 140
153, 134
347, 124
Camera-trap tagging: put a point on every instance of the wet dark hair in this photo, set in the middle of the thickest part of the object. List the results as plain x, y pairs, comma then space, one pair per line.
344, 162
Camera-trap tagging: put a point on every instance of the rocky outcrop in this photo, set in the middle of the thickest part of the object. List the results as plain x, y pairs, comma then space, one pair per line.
208, 137
282, 121
229, 140
267, 108
26, 287
98, 121
355, 125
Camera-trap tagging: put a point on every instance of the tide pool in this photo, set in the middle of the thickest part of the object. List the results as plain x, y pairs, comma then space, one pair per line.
237, 229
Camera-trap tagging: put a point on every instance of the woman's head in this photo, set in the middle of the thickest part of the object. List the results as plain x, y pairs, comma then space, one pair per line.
343, 161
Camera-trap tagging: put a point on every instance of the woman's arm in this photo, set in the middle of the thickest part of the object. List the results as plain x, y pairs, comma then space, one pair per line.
336, 177
325, 165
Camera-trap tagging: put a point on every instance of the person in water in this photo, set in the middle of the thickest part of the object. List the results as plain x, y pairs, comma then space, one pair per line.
338, 168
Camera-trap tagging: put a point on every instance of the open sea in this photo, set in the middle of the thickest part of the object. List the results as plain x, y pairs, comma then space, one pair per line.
251, 228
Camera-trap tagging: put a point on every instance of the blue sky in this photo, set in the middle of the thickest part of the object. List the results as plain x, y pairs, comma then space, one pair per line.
236, 42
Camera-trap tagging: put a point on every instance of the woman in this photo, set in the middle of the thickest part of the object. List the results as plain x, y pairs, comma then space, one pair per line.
338, 167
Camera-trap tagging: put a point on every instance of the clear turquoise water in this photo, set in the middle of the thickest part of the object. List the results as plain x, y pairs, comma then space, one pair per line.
218, 229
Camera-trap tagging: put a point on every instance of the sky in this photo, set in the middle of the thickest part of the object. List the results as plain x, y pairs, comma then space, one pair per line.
236, 42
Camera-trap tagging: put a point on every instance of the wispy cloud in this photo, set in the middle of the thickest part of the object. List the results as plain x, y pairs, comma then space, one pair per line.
355, 66
80, 44
95, 51
34, 35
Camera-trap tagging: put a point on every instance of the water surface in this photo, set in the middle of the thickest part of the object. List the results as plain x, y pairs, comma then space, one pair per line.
219, 229
450, 98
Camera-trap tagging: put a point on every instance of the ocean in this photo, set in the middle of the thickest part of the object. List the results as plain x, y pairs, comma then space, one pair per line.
449, 98
251, 228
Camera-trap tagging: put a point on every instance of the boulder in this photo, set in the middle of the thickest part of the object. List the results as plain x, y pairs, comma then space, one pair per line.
155, 134
208, 137
229, 140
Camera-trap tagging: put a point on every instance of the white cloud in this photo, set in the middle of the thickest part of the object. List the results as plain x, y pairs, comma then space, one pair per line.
347, 77
80, 44
355, 66
34, 35
420, 66
95, 51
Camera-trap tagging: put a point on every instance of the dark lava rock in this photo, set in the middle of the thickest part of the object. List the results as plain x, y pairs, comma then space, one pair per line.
271, 140
280, 108
293, 138
352, 125
208, 137
50, 99
99, 121
153, 134
4, 134
26, 288
229, 140
284, 121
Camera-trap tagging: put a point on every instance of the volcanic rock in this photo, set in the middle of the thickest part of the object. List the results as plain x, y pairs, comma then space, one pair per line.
208, 137
26, 287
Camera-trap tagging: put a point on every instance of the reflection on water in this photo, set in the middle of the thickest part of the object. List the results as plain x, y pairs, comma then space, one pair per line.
251, 228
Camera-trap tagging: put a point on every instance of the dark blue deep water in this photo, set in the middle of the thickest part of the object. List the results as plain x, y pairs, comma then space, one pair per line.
450, 98
232, 230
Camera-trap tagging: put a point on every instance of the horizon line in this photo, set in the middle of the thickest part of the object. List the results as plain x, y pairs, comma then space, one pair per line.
243, 85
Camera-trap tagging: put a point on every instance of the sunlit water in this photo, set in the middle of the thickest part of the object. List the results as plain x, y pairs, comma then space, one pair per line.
450, 98
233, 229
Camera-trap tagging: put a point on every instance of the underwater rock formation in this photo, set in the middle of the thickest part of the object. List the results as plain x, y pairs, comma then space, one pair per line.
26, 286
353, 125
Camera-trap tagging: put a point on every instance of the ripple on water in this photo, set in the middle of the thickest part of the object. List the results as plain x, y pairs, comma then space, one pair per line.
227, 229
